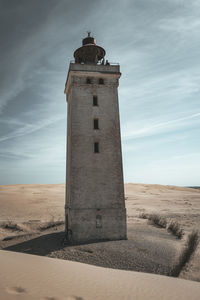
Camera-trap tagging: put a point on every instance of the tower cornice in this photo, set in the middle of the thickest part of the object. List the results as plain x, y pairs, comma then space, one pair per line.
95, 71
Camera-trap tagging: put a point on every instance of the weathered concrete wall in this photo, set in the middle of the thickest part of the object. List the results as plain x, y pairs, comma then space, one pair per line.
97, 224
94, 180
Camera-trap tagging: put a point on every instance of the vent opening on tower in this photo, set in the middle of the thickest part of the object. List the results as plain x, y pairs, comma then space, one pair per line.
88, 80
101, 81
96, 124
95, 101
96, 147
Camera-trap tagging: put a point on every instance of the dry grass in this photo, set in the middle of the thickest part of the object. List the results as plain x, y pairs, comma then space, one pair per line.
175, 228
143, 216
50, 224
160, 221
9, 225
155, 219
187, 252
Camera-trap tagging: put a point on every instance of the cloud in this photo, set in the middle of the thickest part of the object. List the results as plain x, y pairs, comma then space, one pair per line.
13, 156
30, 128
187, 155
30, 33
157, 47
182, 25
129, 132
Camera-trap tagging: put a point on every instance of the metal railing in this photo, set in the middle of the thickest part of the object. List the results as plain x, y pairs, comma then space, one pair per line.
99, 63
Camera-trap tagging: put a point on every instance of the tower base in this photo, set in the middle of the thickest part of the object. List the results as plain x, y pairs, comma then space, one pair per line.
96, 224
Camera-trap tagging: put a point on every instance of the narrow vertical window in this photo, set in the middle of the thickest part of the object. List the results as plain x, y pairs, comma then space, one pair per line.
98, 221
88, 80
96, 124
95, 101
101, 81
96, 147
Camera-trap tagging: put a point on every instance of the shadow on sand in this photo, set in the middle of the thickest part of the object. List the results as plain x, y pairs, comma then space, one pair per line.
45, 244
148, 249
42, 245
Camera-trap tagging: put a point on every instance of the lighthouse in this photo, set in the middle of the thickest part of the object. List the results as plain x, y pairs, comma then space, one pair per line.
95, 204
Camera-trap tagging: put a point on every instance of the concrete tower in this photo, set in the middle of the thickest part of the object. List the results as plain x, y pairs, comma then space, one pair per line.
95, 206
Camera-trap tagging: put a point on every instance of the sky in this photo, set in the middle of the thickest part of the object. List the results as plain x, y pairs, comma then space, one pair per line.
156, 43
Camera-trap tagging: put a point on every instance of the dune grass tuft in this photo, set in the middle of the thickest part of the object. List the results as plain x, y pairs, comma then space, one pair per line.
50, 224
175, 228
158, 220
186, 254
143, 216
9, 225
155, 219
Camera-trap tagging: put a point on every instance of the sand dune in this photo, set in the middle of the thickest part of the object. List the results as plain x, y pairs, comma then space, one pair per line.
148, 249
33, 277
24, 202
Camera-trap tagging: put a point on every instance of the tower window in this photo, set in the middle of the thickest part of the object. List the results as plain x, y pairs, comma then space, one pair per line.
96, 147
101, 81
95, 101
88, 80
96, 124
98, 221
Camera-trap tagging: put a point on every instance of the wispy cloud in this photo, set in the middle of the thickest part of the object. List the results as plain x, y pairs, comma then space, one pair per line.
157, 45
13, 156
129, 132
30, 128
182, 24
187, 155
